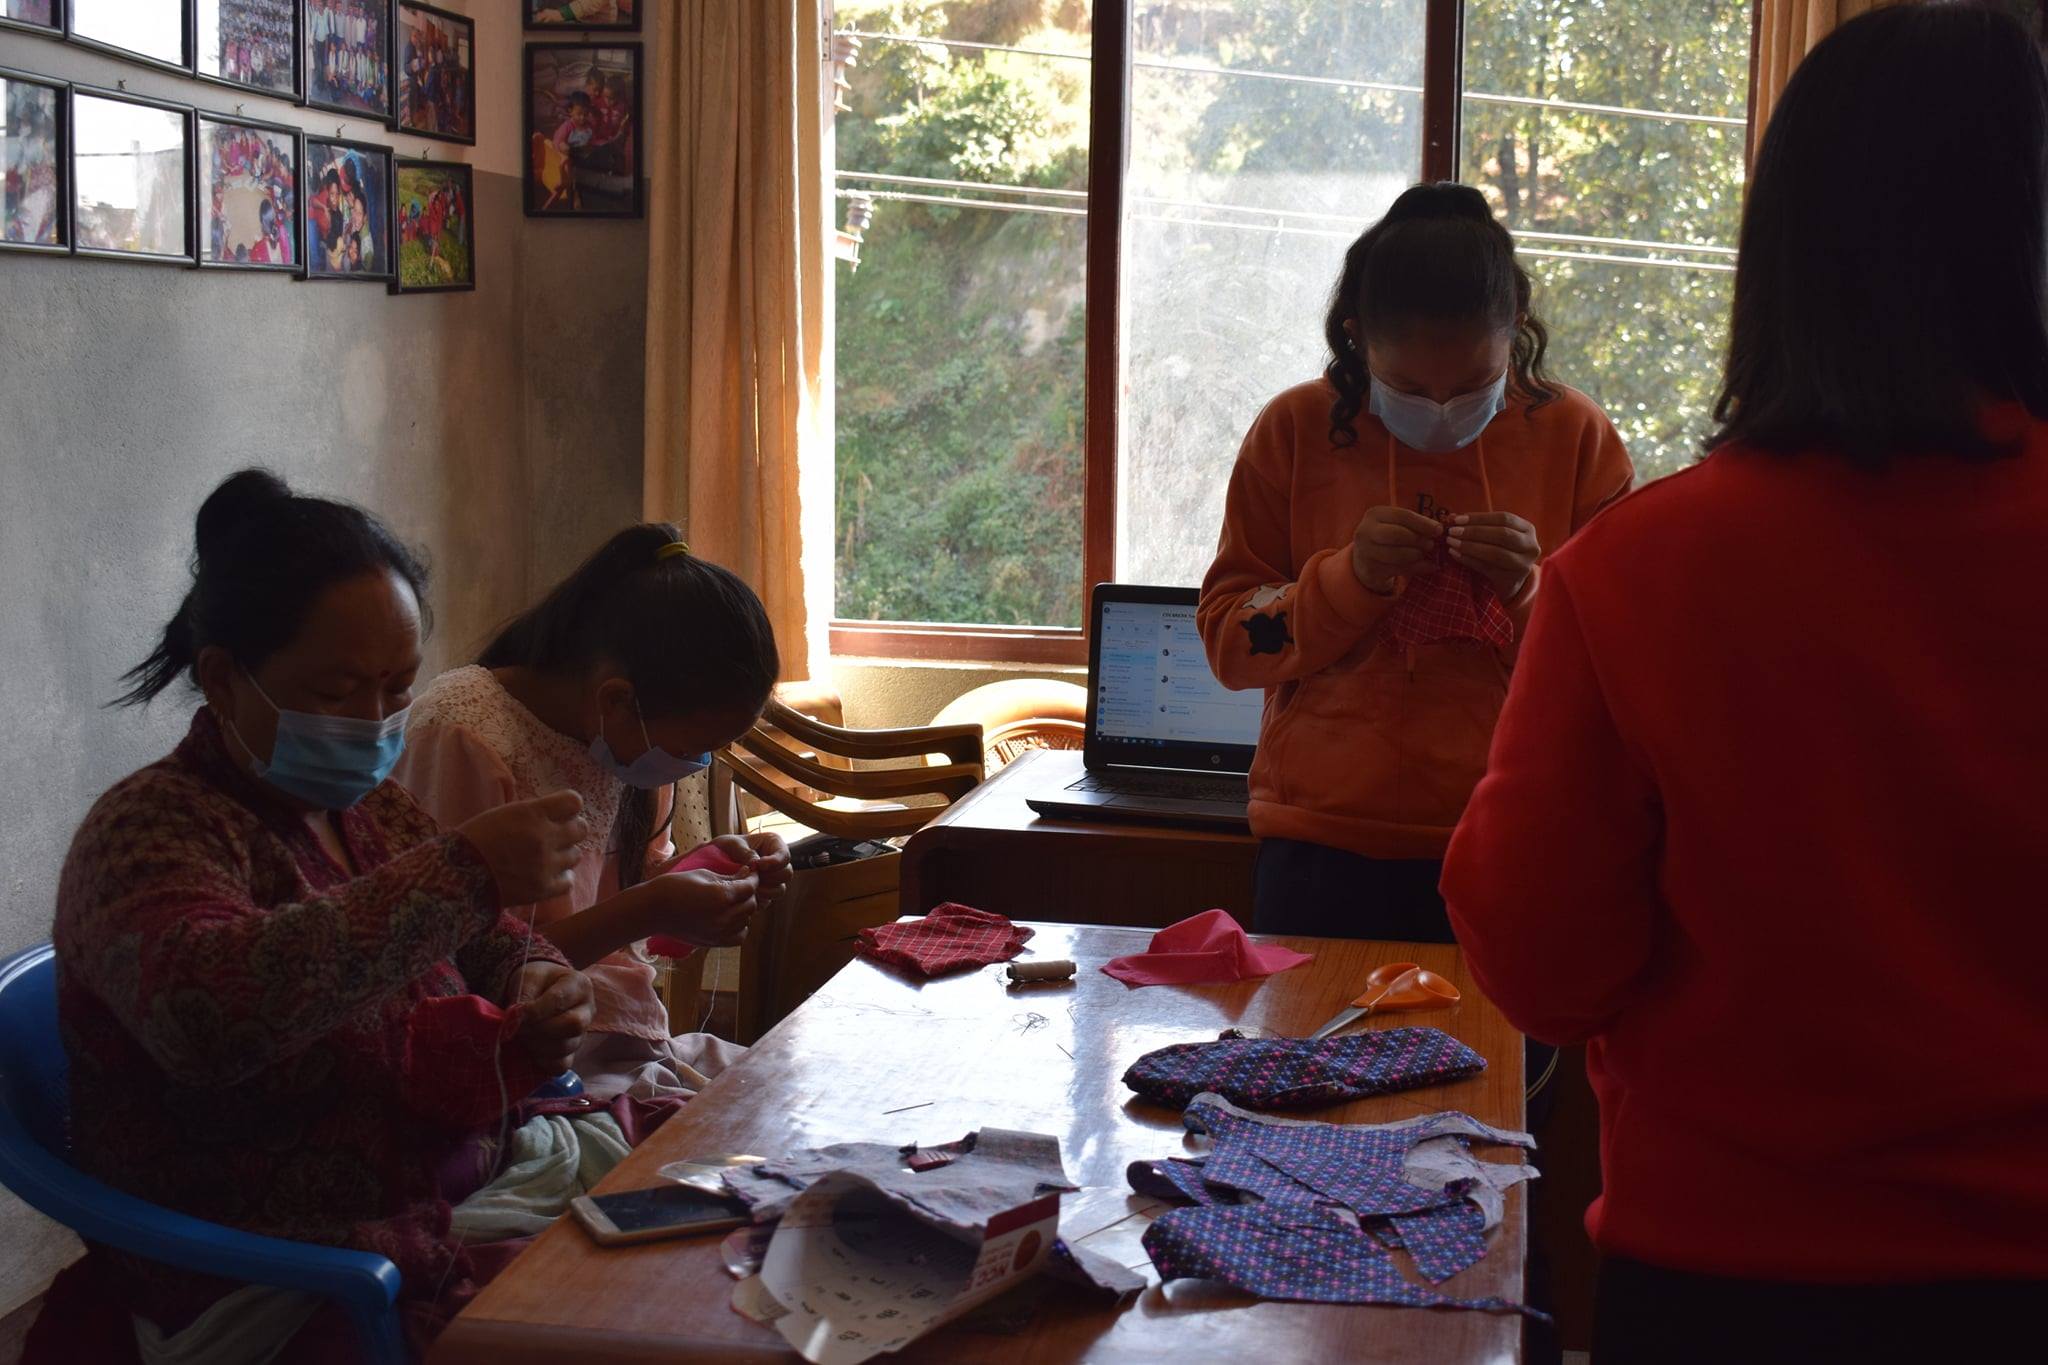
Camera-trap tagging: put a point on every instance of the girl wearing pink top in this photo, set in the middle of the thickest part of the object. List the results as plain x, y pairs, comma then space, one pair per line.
617, 686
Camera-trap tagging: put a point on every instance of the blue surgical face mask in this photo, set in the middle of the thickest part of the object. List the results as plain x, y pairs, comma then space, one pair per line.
1421, 424
654, 769
330, 762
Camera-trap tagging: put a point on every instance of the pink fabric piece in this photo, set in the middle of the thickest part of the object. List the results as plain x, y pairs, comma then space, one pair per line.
1204, 948
709, 856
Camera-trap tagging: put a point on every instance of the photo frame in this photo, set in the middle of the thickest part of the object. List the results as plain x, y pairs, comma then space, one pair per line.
345, 214
35, 164
433, 226
249, 45
130, 176
435, 72
583, 130
345, 55
245, 178
571, 16
33, 16
154, 33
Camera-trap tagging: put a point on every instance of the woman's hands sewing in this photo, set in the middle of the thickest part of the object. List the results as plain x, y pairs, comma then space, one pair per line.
765, 855
1498, 546
559, 1009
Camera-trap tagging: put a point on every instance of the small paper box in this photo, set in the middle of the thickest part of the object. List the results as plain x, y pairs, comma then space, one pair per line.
856, 1274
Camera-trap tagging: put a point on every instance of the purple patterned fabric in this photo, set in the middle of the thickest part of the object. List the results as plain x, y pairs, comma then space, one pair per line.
1443, 1240
1292, 1073
1308, 1211
1303, 1253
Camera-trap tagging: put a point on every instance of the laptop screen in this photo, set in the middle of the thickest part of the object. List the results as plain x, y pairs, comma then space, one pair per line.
1155, 703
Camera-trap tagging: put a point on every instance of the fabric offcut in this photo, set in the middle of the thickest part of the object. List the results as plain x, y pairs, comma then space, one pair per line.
1200, 950
1296, 1073
1450, 602
1309, 1211
949, 939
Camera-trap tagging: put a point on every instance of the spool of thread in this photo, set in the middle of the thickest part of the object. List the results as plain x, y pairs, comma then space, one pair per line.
1057, 969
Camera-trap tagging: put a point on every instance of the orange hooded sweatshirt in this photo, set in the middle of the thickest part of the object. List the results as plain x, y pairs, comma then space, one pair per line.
1364, 746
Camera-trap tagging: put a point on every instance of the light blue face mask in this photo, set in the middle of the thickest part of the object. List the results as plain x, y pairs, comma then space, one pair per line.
654, 769
1421, 424
330, 762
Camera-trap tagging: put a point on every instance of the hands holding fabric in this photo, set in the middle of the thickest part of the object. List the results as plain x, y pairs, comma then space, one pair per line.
559, 1009
1498, 546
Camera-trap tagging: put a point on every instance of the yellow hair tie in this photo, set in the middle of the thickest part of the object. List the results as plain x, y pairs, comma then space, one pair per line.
671, 550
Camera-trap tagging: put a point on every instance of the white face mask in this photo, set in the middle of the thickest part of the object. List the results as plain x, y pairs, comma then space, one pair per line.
1421, 424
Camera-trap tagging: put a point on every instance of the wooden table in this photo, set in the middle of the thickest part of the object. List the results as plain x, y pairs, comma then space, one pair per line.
971, 1053
1106, 873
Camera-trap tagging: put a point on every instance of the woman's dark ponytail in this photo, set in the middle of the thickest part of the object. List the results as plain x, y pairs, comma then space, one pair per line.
262, 557
688, 634
1439, 254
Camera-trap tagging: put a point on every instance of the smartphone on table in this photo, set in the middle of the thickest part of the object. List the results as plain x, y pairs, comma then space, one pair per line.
652, 1214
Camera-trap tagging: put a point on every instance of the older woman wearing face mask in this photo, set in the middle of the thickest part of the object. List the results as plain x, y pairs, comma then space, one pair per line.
279, 982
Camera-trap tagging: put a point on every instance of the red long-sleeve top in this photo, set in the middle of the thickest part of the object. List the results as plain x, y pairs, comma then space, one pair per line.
1765, 824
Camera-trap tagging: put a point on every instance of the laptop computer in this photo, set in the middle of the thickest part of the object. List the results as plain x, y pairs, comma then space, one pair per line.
1166, 743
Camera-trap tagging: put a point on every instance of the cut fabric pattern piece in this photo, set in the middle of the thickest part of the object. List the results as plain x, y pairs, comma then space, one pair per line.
1202, 949
1450, 602
1443, 1240
1296, 1073
949, 939
1302, 1253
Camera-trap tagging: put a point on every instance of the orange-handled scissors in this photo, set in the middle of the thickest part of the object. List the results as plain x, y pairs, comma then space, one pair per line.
1394, 986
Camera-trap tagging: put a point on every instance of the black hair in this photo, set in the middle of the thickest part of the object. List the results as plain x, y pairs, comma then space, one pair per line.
1438, 255
688, 634
1874, 322
264, 555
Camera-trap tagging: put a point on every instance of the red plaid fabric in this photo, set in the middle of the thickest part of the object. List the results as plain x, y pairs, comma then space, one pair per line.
948, 939
1450, 602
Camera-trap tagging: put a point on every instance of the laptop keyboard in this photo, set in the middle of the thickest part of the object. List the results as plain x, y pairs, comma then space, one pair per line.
1187, 786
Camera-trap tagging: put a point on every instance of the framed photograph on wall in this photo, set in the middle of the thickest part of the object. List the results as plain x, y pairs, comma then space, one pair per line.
347, 50
37, 16
583, 130
346, 187
131, 177
248, 195
618, 16
152, 32
436, 73
433, 223
249, 44
34, 204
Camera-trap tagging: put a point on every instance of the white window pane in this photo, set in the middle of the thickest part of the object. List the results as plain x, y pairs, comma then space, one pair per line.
1627, 213
959, 355
1243, 191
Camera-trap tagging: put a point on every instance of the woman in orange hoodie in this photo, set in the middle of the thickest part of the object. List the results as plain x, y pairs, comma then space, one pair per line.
1379, 559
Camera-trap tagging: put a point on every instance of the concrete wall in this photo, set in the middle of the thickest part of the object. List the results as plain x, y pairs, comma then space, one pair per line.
498, 429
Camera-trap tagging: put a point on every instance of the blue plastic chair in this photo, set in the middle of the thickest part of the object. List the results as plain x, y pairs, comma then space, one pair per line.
34, 1149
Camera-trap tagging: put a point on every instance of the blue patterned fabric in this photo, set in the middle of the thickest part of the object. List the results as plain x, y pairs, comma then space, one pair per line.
1295, 1073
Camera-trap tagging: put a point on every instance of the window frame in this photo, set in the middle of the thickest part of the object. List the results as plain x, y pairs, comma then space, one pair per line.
1443, 81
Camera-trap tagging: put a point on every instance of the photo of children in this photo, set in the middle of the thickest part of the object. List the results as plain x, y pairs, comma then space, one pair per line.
28, 164
248, 42
128, 167
348, 233
436, 84
436, 234
37, 13
617, 14
248, 195
582, 116
348, 64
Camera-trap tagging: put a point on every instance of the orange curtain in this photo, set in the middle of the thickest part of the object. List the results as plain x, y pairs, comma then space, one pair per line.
738, 309
1786, 30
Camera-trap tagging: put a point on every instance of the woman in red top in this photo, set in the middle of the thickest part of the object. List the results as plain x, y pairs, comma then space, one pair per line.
1765, 822
259, 940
